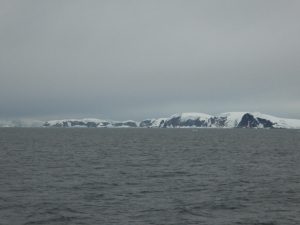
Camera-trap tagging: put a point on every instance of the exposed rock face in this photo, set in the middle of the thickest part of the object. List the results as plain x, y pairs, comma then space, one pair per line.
250, 121
173, 122
177, 122
218, 121
125, 124
265, 123
187, 120
153, 123
146, 123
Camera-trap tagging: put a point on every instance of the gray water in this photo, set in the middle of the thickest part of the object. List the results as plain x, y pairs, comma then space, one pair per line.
149, 176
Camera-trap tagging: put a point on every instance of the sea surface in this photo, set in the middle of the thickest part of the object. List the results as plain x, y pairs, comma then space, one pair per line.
149, 176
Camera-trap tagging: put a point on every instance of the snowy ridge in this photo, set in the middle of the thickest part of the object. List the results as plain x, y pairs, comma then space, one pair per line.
192, 116
232, 118
187, 120
86, 122
180, 120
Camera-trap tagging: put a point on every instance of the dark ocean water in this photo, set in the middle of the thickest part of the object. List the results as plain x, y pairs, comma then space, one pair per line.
149, 176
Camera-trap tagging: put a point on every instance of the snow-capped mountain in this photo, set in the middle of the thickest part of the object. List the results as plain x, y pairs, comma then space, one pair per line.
224, 120
257, 120
182, 120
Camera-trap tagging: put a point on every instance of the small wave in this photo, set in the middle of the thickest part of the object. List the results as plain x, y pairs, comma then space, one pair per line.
58, 219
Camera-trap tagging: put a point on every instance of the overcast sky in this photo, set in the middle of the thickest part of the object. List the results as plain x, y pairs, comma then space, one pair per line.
140, 59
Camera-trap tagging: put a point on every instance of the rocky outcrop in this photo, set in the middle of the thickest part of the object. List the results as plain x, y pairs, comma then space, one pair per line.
250, 121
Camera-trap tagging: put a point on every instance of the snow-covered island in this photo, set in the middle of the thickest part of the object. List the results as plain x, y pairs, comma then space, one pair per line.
188, 120
182, 120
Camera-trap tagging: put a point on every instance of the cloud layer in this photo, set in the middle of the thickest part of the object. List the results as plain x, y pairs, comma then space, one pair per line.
137, 59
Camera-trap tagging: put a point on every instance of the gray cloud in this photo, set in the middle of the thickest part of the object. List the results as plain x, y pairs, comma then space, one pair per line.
137, 59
